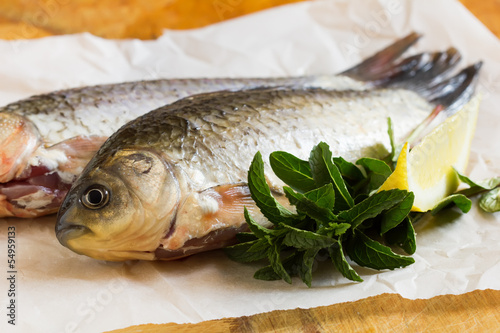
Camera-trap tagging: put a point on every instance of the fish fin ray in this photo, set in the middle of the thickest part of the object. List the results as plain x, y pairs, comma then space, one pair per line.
78, 150
427, 73
231, 199
455, 92
217, 207
371, 68
207, 220
419, 71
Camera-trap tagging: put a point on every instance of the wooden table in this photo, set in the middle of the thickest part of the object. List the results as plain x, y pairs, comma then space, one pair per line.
146, 19
477, 311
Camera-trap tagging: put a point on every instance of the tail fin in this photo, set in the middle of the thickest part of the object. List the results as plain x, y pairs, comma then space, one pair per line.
372, 68
427, 74
421, 70
456, 91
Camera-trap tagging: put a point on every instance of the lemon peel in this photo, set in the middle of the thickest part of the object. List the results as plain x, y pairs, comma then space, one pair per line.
428, 169
399, 177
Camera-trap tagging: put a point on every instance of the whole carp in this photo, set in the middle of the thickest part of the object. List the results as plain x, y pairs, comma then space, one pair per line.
172, 182
46, 140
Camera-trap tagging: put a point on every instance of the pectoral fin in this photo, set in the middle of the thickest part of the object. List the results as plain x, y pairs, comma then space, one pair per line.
78, 151
207, 220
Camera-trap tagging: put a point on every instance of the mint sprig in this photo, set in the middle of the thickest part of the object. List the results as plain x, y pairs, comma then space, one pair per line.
489, 188
338, 212
335, 212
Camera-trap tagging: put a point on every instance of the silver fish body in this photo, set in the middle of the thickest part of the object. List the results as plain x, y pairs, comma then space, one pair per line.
172, 182
101, 110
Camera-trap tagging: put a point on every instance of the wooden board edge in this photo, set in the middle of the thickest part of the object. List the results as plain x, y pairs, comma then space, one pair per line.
478, 310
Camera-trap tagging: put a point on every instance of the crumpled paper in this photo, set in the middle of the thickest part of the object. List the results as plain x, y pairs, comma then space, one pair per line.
60, 291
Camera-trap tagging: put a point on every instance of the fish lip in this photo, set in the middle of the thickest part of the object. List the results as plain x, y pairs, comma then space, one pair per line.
68, 231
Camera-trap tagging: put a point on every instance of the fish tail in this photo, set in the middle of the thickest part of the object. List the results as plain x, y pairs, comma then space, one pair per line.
448, 96
456, 91
376, 67
419, 71
427, 73
450, 92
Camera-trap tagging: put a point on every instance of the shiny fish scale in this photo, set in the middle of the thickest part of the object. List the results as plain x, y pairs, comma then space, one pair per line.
213, 137
101, 110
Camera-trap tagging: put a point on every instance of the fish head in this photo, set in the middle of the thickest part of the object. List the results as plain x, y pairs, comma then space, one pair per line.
19, 138
120, 208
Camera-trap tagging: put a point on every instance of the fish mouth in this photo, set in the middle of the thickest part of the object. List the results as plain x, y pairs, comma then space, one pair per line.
68, 231
70, 235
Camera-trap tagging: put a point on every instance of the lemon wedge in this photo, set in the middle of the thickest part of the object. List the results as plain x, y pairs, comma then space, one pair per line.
427, 169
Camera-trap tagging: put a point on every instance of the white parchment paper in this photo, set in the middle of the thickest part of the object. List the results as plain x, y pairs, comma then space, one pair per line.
59, 291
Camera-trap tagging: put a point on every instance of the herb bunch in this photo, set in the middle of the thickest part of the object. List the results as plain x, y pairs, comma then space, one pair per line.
338, 214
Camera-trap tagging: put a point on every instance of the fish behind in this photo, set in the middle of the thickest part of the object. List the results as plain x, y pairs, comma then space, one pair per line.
47, 140
172, 182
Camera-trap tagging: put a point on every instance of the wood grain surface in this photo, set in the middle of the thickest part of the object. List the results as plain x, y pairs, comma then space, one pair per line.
477, 311
118, 18
146, 19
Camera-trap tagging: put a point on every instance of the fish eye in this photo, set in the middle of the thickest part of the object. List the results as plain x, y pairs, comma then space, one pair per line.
95, 197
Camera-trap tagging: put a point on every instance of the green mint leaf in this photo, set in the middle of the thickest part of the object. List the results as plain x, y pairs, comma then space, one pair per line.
409, 245
261, 193
369, 253
260, 246
460, 200
469, 192
466, 179
372, 206
292, 196
374, 165
403, 235
390, 132
274, 256
244, 237
304, 240
266, 273
360, 197
337, 229
256, 228
295, 172
477, 187
305, 271
349, 170
395, 215
313, 208
336, 253
291, 264
489, 184
377, 171
490, 201
240, 252
323, 196
324, 171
